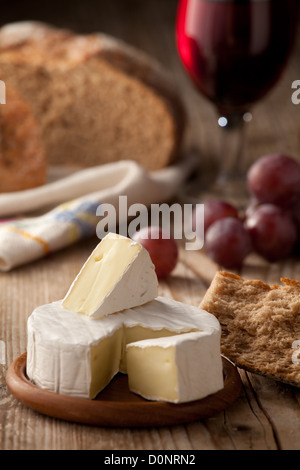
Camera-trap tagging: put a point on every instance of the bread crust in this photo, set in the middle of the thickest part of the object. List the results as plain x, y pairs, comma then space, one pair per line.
22, 158
260, 324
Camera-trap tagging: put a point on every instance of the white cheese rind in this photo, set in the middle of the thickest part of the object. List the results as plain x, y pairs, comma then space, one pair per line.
60, 342
59, 348
134, 283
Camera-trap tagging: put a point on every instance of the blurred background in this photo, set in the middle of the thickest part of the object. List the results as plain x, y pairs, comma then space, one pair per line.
149, 25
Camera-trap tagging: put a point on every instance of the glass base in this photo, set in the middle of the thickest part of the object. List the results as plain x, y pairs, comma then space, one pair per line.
230, 189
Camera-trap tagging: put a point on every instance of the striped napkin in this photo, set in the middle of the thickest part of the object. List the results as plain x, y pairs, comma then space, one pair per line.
40, 221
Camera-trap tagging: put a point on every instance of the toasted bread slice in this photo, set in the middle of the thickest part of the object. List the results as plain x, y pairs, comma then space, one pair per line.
260, 324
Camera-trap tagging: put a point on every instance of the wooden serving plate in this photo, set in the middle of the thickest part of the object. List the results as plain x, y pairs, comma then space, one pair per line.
116, 406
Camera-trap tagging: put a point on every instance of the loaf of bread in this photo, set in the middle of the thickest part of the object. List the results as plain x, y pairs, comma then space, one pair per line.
260, 324
22, 158
96, 99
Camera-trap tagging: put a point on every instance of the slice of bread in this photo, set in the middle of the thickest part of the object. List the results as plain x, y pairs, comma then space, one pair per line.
22, 159
260, 324
96, 99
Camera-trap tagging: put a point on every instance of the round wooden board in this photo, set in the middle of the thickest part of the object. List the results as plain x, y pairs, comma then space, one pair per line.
116, 406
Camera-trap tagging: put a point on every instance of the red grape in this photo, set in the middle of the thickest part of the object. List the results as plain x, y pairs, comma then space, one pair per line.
228, 242
273, 232
275, 179
215, 209
163, 251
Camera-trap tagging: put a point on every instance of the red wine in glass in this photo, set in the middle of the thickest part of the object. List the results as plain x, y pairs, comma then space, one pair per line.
235, 51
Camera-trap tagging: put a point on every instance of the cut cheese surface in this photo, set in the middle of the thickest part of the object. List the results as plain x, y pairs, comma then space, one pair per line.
76, 355
105, 358
118, 275
152, 370
176, 369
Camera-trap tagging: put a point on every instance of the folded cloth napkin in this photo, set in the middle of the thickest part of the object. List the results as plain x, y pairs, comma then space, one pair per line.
67, 207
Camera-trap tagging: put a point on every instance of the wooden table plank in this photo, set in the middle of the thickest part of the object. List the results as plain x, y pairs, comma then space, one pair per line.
267, 414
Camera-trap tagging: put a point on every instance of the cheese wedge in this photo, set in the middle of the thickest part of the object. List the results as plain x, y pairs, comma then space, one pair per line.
118, 275
75, 355
176, 369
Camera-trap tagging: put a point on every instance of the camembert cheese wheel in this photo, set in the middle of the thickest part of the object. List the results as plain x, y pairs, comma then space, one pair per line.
111, 321
75, 355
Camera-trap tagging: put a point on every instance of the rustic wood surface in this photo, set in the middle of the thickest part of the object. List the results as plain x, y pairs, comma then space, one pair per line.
266, 416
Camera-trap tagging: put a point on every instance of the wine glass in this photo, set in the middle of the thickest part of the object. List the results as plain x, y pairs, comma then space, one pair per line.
234, 51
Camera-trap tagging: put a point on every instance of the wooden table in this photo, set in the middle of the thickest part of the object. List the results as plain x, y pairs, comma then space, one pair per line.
266, 415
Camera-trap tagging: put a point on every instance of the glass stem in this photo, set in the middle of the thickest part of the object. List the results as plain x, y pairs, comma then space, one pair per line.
232, 166
230, 182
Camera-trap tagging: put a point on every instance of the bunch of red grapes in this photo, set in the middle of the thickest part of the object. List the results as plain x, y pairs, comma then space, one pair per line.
270, 225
